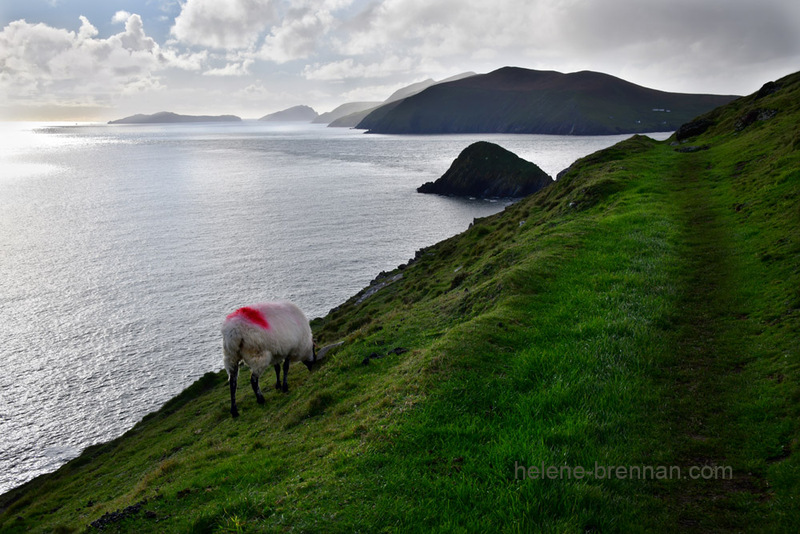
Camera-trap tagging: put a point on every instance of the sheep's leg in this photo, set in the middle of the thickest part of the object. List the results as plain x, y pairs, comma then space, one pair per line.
278, 376
286, 363
256, 389
233, 378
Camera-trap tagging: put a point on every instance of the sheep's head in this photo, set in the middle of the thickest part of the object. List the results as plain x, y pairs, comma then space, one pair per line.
310, 364
318, 356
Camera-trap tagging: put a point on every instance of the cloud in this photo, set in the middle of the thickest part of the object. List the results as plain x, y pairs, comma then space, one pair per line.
224, 24
370, 93
40, 64
712, 46
298, 36
304, 31
120, 16
272, 30
188, 61
350, 69
232, 69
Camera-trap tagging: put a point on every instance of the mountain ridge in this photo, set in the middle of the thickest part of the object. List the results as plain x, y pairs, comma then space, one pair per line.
517, 100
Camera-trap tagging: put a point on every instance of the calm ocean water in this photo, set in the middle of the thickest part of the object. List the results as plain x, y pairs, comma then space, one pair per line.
123, 247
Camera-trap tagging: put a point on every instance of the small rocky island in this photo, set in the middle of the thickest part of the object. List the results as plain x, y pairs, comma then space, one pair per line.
487, 170
169, 117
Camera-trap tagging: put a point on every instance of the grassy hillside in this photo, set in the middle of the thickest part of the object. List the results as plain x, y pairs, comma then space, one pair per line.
642, 311
516, 100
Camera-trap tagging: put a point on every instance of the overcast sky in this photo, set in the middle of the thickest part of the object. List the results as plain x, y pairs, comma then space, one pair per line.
96, 60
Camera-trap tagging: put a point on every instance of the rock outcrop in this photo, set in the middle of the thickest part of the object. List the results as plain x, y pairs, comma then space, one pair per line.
487, 170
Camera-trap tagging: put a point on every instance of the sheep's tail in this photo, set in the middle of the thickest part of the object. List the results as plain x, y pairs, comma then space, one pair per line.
232, 343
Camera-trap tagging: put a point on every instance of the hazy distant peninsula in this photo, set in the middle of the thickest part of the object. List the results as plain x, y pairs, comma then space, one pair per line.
345, 110
486, 170
168, 117
516, 100
354, 117
296, 113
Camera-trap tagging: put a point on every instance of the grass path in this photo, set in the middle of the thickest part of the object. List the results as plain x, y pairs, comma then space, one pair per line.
702, 379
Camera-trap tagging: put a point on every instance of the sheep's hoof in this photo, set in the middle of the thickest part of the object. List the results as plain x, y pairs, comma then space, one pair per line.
285, 389
234, 412
278, 386
260, 399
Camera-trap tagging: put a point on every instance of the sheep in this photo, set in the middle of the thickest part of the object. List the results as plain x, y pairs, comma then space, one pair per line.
263, 335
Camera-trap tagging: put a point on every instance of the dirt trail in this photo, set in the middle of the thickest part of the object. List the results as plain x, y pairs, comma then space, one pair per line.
700, 423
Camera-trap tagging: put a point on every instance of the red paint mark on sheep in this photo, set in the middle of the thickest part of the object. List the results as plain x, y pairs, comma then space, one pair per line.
252, 315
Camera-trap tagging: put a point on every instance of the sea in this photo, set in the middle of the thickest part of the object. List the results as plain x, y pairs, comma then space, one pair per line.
122, 248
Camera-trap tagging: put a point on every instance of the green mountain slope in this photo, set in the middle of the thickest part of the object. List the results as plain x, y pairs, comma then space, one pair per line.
643, 311
515, 100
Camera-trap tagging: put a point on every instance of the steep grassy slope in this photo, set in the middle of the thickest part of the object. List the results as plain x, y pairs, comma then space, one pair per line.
515, 100
642, 311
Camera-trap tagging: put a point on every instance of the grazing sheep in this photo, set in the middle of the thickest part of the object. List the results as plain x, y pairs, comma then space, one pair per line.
264, 335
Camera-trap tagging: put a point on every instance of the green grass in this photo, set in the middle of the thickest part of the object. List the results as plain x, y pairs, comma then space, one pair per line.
642, 311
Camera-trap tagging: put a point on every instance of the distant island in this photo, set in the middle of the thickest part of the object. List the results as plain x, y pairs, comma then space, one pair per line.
296, 113
487, 170
168, 117
516, 100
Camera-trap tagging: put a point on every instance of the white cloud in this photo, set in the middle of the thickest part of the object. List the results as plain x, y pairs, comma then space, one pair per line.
453, 27
222, 24
134, 38
120, 16
232, 69
189, 61
272, 30
350, 69
694, 39
370, 93
298, 36
40, 64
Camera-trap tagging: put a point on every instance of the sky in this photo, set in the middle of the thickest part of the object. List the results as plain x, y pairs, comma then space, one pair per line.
106, 59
